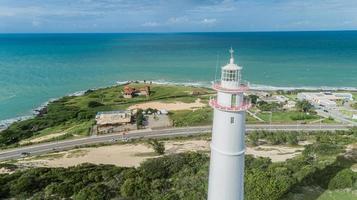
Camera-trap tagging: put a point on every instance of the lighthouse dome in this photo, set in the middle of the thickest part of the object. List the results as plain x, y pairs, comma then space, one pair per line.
231, 66
231, 74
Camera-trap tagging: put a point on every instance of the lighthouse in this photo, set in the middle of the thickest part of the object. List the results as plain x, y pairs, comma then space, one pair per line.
226, 173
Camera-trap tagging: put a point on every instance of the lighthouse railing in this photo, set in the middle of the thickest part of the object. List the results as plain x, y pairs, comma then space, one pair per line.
242, 107
242, 87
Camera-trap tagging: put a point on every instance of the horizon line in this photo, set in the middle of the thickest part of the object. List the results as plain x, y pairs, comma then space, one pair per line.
183, 32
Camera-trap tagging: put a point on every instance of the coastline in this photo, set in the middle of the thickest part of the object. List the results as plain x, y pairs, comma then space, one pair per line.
255, 87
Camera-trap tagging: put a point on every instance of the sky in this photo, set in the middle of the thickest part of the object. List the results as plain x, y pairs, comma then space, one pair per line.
58, 16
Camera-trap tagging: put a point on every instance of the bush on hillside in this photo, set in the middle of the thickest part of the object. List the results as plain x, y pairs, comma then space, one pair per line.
94, 104
343, 179
159, 147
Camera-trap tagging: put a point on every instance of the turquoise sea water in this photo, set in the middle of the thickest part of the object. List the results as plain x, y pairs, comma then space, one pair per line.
37, 67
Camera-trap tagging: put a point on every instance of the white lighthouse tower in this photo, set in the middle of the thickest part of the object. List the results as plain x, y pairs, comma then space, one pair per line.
226, 172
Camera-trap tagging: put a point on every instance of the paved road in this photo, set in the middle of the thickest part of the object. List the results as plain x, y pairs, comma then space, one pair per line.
172, 132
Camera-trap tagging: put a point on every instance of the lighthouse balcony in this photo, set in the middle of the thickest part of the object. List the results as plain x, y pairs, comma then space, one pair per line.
243, 107
217, 85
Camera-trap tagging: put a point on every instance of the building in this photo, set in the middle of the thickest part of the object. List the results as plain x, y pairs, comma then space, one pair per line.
145, 91
289, 105
226, 172
281, 98
113, 118
130, 92
326, 99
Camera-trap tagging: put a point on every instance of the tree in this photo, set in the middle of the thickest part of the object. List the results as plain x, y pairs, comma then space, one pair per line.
139, 118
159, 147
94, 192
253, 98
304, 106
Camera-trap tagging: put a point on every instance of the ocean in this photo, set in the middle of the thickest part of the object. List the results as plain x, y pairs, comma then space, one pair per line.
35, 68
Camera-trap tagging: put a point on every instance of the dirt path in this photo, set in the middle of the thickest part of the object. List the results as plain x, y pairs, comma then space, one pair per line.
169, 106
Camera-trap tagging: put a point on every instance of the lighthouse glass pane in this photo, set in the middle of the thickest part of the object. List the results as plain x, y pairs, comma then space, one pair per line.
234, 76
234, 100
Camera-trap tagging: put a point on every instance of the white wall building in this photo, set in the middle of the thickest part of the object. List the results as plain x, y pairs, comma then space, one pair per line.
327, 99
226, 173
110, 118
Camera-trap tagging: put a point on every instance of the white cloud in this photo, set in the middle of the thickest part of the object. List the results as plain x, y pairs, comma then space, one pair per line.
208, 21
151, 24
36, 23
178, 20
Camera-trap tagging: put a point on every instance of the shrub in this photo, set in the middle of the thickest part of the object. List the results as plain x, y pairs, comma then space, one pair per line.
343, 179
292, 138
253, 98
253, 138
304, 106
265, 106
159, 147
94, 104
139, 118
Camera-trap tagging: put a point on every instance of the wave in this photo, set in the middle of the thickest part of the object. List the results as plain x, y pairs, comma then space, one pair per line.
253, 86
7, 122
310, 88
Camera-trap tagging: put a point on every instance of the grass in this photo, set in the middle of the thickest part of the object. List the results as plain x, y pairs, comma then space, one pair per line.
354, 95
338, 194
70, 130
112, 98
198, 117
288, 116
348, 113
292, 97
317, 193
328, 121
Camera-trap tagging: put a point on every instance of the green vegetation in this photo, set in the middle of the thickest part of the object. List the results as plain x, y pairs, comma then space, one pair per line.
202, 116
93, 104
74, 110
288, 116
139, 118
274, 138
354, 95
159, 147
265, 106
343, 179
253, 98
337, 194
304, 106
184, 176
354, 106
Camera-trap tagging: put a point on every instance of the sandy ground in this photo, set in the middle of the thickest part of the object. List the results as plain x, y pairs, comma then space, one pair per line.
169, 106
351, 153
275, 153
43, 138
133, 154
5, 171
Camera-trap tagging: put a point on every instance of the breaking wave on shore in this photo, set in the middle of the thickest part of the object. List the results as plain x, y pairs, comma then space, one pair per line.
251, 85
